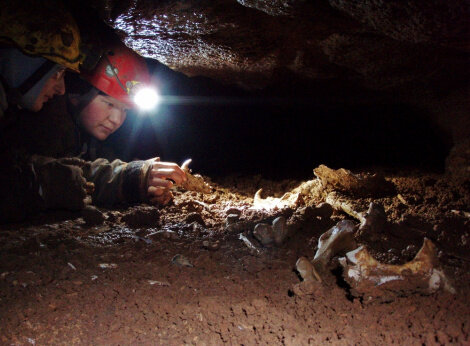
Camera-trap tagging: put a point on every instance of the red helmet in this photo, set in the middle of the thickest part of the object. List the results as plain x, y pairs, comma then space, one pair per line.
118, 73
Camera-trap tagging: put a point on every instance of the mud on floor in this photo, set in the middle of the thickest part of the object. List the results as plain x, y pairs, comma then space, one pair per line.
182, 275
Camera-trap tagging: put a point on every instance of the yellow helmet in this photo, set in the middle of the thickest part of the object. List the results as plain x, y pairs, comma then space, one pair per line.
41, 28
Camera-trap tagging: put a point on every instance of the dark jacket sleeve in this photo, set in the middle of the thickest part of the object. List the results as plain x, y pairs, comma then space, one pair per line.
117, 181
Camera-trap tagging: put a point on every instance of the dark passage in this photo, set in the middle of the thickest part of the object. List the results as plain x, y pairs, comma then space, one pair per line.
227, 130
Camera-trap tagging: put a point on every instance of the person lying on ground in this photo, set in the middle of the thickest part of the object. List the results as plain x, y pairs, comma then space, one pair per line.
93, 111
32, 68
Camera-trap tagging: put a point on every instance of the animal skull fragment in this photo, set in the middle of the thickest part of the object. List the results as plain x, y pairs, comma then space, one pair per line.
372, 279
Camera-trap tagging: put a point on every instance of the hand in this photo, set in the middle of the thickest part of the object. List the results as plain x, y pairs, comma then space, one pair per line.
161, 178
61, 186
159, 196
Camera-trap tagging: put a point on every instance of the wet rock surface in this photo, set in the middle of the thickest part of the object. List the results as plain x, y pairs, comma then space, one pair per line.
175, 279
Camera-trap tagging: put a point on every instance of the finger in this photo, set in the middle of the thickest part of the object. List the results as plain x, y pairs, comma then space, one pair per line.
158, 182
155, 191
178, 176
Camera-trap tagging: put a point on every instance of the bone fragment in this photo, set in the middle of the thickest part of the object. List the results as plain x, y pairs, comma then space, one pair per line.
373, 222
248, 243
287, 200
280, 230
264, 233
339, 238
373, 279
339, 203
194, 182
306, 270
364, 184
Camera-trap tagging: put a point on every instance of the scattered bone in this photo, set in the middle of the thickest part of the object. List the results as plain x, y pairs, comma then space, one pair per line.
107, 265
248, 243
372, 279
180, 260
269, 234
306, 270
339, 238
158, 283
373, 222
71, 266
194, 182
364, 184
339, 203
264, 233
280, 230
289, 199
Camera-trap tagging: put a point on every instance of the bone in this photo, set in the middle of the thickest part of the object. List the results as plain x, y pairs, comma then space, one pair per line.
339, 203
363, 184
306, 270
337, 239
375, 280
248, 243
280, 230
264, 233
373, 222
287, 200
194, 182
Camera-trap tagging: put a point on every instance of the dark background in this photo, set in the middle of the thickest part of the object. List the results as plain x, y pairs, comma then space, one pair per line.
228, 130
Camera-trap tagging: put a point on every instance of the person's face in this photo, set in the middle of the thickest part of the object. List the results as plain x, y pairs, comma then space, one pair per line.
103, 116
54, 86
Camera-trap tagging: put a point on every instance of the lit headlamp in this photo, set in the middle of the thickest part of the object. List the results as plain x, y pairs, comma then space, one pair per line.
145, 97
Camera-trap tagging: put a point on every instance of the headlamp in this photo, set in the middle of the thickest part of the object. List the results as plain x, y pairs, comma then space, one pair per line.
146, 98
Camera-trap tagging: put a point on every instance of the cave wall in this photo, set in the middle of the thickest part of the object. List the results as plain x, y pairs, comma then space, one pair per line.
334, 52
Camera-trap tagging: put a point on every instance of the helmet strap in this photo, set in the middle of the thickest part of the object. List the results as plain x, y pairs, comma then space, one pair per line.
35, 77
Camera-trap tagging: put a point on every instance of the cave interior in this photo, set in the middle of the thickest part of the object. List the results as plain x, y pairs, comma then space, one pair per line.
340, 111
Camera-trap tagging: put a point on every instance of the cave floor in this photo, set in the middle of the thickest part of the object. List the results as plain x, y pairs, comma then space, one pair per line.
65, 281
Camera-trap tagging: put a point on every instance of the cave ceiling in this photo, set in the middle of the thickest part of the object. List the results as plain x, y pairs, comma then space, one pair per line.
333, 51
379, 45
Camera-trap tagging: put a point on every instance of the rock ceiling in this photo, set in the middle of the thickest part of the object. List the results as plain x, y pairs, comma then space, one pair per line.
397, 47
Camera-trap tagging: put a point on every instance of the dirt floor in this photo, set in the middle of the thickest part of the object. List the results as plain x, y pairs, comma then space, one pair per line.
193, 273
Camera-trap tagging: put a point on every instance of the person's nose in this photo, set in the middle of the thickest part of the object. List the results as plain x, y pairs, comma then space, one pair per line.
116, 117
59, 88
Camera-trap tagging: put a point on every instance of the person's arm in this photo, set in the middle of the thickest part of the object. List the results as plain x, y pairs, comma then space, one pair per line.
32, 184
137, 181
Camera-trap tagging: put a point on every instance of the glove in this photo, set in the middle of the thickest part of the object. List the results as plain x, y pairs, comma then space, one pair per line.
61, 186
